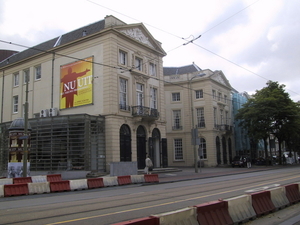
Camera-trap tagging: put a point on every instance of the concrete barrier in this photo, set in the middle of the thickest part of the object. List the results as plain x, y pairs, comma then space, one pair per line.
53, 177
38, 188
39, 179
278, 197
59, 186
213, 213
240, 209
123, 180
292, 193
95, 182
151, 220
20, 180
137, 179
77, 185
151, 178
15, 189
262, 203
1, 190
6, 181
183, 216
110, 181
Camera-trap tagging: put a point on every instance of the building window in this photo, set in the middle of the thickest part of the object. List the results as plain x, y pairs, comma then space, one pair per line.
202, 149
177, 120
221, 117
26, 76
214, 94
225, 98
178, 149
152, 69
219, 96
199, 94
215, 117
226, 118
153, 96
123, 57
200, 118
176, 97
38, 72
140, 94
16, 79
138, 64
123, 94
15, 103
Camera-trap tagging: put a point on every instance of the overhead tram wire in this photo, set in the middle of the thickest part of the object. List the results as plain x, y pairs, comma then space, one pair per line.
59, 54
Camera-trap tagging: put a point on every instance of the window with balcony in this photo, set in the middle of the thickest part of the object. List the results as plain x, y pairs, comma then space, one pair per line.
215, 117
200, 118
16, 79
178, 153
153, 98
219, 96
15, 104
177, 120
176, 97
225, 98
123, 95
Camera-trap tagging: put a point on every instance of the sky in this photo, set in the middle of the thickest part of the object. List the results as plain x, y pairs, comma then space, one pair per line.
250, 41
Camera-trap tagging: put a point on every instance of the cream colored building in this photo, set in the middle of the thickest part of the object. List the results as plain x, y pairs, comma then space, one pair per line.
201, 98
119, 72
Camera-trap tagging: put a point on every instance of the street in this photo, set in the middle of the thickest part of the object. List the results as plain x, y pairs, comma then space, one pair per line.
121, 203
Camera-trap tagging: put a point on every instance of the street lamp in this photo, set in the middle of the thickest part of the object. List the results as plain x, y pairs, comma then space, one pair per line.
193, 129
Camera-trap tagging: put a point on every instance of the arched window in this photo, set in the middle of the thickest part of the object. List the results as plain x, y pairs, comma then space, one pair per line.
202, 149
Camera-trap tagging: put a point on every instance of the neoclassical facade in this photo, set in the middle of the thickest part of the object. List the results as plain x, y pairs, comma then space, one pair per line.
103, 80
198, 100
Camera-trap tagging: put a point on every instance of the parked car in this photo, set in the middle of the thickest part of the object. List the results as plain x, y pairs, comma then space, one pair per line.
238, 161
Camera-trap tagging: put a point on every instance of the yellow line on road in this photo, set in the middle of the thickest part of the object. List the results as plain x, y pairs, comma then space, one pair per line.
167, 203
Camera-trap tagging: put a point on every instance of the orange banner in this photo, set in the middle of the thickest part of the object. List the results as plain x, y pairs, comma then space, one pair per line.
76, 86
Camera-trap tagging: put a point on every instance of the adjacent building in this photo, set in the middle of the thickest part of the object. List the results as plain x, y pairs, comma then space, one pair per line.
95, 96
198, 100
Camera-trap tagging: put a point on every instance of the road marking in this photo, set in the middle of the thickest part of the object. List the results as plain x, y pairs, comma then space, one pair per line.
163, 204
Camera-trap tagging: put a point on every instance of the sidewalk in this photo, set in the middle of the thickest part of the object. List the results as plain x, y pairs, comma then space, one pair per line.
175, 174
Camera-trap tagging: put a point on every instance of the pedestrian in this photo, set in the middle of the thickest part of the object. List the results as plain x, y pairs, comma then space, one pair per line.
149, 165
248, 162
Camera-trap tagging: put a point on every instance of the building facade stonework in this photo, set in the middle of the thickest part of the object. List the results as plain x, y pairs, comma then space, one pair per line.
200, 100
108, 69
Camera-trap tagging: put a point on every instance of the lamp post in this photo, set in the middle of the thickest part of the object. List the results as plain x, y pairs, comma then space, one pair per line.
193, 129
25, 151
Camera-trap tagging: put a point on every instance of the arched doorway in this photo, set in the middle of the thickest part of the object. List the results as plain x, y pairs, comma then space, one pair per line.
218, 146
224, 150
141, 146
154, 148
125, 143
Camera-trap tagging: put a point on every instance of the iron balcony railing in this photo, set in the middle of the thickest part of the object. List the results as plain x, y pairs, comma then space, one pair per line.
145, 112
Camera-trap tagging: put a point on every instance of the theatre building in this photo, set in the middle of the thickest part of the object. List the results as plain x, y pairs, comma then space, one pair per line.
95, 97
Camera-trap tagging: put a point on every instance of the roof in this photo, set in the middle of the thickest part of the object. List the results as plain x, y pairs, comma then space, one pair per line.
181, 70
61, 40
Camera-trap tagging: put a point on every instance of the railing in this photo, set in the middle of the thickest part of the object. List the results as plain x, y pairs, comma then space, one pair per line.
224, 127
176, 127
124, 107
145, 112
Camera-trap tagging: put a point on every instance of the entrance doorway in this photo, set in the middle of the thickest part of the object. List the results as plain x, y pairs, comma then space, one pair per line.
125, 143
141, 147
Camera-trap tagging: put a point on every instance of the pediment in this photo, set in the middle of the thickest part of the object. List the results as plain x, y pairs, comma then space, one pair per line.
220, 78
139, 33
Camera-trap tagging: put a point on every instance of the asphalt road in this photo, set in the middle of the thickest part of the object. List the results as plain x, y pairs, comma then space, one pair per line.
121, 203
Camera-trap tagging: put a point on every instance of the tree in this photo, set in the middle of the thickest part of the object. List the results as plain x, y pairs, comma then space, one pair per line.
270, 111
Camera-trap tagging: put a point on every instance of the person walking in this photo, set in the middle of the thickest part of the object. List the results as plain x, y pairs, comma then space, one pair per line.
248, 162
149, 164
